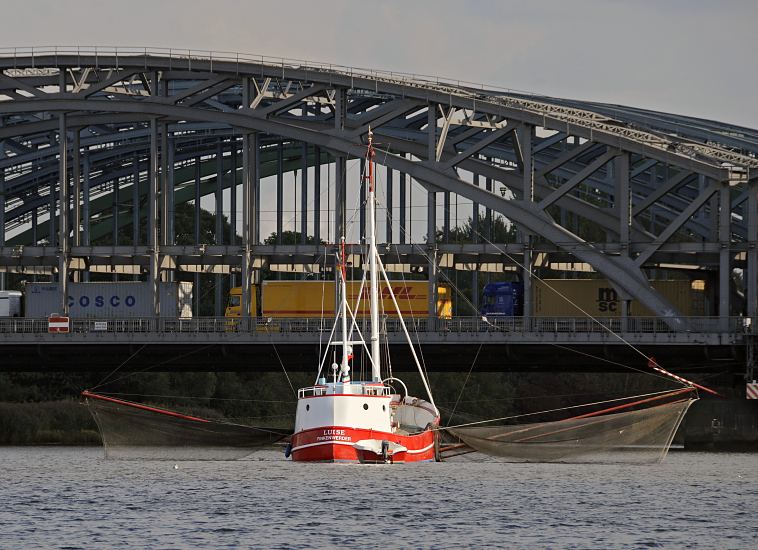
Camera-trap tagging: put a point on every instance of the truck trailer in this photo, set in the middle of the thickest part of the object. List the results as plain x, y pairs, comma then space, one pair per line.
309, 299
597, 297
119, 300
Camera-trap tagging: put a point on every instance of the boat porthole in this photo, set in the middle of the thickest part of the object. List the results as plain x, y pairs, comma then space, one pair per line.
365, 406
384, 407
307, 407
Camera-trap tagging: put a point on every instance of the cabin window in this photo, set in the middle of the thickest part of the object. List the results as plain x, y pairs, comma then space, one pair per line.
234, 301
307, 407
365, 406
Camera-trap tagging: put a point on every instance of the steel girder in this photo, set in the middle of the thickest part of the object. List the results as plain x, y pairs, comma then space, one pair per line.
114, 93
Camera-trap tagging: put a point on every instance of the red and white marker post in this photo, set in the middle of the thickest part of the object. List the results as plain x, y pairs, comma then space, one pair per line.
58, 323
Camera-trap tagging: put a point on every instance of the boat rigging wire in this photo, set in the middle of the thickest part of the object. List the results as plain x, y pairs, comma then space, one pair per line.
103, 381
157, 364
463, 386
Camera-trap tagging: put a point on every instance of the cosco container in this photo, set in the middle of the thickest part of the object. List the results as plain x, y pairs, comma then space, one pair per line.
119, 300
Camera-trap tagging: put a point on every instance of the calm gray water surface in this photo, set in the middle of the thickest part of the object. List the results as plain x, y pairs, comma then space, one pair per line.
74, 498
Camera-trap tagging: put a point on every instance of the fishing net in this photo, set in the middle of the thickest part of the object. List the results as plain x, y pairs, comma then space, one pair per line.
628, 436
134, 431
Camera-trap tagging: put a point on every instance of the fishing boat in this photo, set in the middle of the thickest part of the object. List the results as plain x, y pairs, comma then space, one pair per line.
339, 419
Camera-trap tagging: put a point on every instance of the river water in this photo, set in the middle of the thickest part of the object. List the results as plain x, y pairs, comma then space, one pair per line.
73, 498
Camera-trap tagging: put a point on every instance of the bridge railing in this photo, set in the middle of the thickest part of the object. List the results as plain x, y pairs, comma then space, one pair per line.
214, 56
263, 325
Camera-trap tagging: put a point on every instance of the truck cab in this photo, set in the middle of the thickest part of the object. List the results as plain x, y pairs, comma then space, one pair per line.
234, 305
10, 303
506, 299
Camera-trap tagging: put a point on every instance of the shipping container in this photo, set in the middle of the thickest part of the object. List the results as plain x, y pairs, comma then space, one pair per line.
597, 297
317, 298
10, 303
118, 300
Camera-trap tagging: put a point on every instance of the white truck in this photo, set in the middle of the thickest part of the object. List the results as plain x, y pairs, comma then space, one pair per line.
10, 303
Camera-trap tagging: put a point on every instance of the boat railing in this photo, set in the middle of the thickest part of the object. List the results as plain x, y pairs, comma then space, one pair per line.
312, 391
376, 389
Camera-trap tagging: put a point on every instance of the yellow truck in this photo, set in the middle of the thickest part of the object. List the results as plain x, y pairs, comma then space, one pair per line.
304, 299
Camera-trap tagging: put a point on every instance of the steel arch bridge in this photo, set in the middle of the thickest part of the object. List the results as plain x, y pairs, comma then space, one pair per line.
135, 132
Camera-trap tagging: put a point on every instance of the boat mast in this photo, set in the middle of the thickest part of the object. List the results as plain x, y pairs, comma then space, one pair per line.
373, 275
346, 349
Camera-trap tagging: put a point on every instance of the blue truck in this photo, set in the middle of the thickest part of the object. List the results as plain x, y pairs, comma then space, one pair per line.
505, 299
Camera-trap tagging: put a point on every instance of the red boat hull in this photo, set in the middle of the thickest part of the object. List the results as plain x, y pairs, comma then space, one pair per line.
337, 444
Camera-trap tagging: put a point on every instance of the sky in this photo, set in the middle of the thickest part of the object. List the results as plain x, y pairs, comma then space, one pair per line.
690, 57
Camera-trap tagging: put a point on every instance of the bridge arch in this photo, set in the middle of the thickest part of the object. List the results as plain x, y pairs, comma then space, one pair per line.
664, 190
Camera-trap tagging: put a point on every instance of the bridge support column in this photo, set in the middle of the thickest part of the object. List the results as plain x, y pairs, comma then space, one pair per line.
2, 214
431, 249
170, 197
446, 218
752, 252
63, 217
280, 191
317, 195
431, 216
233, 195
198, 213
624, 202
402, 214
390, 202
165, 202
85, 240
304, 196
525, 137
725, 266
135, 207
76, 214
219, 279
233, 204
114, 217
475, 239
249, 199
152, 216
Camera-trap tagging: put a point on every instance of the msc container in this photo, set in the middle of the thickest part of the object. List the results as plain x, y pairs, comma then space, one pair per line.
314, 298
598, 298
119, 300
10, 303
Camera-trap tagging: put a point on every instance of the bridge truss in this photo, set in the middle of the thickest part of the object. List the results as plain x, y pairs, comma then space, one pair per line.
134, 133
